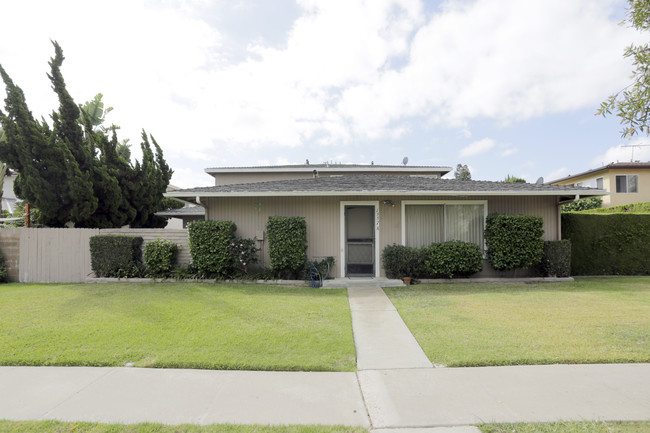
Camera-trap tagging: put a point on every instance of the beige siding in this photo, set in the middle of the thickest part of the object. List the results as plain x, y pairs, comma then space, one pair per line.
546, 207
323, 217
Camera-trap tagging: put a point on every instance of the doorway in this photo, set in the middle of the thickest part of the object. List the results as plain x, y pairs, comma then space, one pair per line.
359, 240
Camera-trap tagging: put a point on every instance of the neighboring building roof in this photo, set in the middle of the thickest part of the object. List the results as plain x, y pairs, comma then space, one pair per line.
612, 166
182, 212
384, 185
308, 168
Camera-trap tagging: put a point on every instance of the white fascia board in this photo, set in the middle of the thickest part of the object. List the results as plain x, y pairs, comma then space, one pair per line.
383, 193
331, 168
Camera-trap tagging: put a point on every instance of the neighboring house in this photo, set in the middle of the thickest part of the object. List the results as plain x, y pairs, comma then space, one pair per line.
8, 197
354, 211
179, 218
626, 182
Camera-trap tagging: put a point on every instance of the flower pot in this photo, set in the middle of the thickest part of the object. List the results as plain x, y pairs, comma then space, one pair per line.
407, 280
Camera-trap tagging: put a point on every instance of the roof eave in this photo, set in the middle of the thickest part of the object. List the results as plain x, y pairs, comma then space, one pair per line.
207, 194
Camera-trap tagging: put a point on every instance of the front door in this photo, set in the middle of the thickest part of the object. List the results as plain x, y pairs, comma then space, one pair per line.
359, 241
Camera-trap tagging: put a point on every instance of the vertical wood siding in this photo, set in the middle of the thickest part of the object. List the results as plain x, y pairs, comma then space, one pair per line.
323, 217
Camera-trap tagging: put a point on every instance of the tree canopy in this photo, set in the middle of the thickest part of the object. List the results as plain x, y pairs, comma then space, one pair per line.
632, 104
514, 179
462, 172
73, 171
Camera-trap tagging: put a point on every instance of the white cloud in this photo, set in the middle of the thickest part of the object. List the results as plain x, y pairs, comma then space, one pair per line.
635, 150
556, 174
508, 151
348, 72
477, 147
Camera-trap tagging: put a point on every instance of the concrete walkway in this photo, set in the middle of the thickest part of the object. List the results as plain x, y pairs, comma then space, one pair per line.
395, 390
381, 337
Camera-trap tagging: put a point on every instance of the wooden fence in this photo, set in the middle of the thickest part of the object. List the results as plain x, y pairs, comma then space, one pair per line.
63, 255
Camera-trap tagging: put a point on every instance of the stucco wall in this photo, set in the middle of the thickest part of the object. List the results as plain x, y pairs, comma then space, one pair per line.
609, 184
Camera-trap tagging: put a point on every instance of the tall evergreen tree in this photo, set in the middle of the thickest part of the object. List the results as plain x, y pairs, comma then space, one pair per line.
73, 172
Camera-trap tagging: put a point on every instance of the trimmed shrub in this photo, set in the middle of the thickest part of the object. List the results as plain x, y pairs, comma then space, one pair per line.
243, 253
617, 244
455, 258
116, 256
287, 245
514, 241
210, 247
556, 258
583, 204
400, 261
160, 257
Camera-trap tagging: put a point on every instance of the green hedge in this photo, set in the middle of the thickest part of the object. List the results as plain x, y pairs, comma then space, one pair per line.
287, 238
116, 256
160, 257
210, 247
556, 258
450, 259
514, 241
617, 244
400, 261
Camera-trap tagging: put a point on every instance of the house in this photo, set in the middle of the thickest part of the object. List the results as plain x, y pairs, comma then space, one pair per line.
626, 182
354, 211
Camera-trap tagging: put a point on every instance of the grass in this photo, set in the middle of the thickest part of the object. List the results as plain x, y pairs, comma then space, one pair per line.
568, 427
189, 325
87, 427
597, 320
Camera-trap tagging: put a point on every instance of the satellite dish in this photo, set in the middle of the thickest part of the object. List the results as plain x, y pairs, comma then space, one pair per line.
540, 181
405, 160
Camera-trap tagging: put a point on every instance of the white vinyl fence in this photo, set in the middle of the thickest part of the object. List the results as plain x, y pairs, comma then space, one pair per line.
63, 255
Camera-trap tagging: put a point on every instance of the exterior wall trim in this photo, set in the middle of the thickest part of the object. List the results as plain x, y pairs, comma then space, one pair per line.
342, 205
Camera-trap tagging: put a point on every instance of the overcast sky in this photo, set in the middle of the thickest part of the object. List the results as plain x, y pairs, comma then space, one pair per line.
504, 86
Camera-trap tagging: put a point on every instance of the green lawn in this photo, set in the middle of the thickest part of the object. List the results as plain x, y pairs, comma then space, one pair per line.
596, 320
85, 427
569, 427
188, 325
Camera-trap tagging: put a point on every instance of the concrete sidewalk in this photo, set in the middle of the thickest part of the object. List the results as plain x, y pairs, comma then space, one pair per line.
395, 390
172, 396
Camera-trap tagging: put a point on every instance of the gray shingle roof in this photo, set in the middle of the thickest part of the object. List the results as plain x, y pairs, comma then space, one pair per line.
386, 185
184, 211
612, 166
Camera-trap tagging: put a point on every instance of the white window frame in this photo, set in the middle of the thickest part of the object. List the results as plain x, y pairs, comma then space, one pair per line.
627, 183
343, 204
442, 202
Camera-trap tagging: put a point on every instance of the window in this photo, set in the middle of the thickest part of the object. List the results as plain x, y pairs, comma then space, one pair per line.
427, 222
627, 183
592, 183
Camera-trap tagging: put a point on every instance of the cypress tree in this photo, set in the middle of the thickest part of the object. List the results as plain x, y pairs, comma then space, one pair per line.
73, 172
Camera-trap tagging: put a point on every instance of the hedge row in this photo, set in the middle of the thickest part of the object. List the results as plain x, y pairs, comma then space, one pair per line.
617, 244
